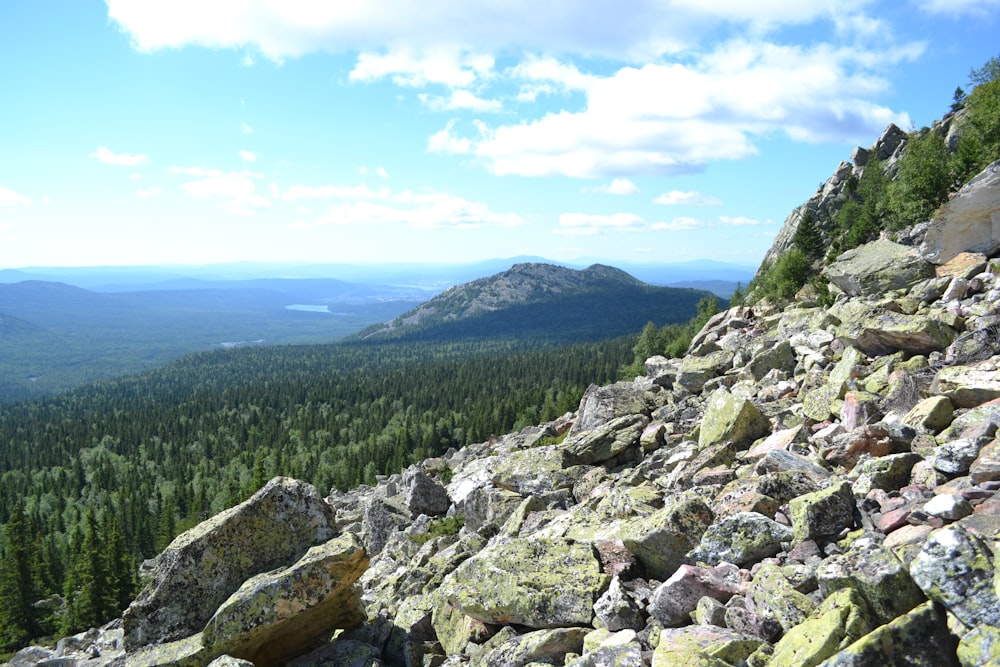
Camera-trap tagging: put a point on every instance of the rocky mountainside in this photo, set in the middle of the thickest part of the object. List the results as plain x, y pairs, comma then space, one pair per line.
530, 299
817, 486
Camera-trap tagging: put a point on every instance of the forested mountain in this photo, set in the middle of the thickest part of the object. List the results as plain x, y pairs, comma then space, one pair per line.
542, 302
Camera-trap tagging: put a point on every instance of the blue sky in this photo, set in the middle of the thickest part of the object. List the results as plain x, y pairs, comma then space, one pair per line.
190, 131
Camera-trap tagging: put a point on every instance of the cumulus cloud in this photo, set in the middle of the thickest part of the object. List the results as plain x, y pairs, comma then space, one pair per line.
618, 186
9, 197
236, 188
122, 159
451, 67
248, 156
445, 141
679, 198
672, 118
678, 224
461, 99
742, 221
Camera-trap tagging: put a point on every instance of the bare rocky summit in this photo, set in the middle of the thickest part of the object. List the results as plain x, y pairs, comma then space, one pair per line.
817, 486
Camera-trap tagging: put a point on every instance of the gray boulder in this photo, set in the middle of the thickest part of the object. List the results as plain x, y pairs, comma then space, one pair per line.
205, 565
970, 221
278, 615
878, 267
423, 495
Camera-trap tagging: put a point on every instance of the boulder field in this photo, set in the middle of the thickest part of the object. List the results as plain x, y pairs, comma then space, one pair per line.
812, 486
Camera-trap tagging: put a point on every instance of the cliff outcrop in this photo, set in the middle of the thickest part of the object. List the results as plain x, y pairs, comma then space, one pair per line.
817, 486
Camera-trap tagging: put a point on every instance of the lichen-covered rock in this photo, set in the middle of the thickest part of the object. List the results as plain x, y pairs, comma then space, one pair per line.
980, 647
625, 655
919, 638
986, 467
424, 495
968, 386
888, 473
933, 414
955, 568
532, 471
702, 645
772, 357
187, 652
606, 440
875, 268
341, 653
675, 599
206, 564
600, 405
661, 540
876, 575
616, 610
887, 332
539, 583
541, 646
820, 403
838, 622
278, 615
455, 630
742, 538
772, 594
822, 513
381, 518
696, 371
731, 418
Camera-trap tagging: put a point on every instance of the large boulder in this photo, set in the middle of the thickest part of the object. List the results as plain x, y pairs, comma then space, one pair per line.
955, 568
877, 576
424, 495
969, 222
539, 583
607, 440
602, 404
742, 538
205, 565
278, 615
732, 418
835, 625
878, 267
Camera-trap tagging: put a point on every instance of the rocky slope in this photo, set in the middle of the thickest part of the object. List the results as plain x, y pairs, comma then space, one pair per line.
817, 486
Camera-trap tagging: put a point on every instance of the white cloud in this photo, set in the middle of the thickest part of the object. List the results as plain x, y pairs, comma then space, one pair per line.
149, 192
980, 8
618, 186
10, 198
122, 159
678, 224
427, 210
237, 188
742, 221
642, 29
461, 99
245, 129
679, 198
454, 68
665, 119
297, 192
381, 172
445, 141
248, 156
247, 60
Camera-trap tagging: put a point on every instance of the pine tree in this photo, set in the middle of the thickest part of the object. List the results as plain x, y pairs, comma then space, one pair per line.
17, 585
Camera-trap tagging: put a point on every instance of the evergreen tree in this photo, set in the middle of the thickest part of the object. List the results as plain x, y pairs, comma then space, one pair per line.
17, 585
807, 237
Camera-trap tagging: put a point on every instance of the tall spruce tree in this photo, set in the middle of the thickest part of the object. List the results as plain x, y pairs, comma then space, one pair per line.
17, 584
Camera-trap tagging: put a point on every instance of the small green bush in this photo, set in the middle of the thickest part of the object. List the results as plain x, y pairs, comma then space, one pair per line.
447, 526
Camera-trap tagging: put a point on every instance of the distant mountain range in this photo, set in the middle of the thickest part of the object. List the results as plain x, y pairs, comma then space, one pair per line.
422, 279
544, 302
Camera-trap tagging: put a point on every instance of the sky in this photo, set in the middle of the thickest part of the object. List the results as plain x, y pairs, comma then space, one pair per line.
141, 132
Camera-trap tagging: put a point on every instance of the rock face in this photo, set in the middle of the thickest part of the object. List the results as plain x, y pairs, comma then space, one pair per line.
970, 222
878, 267
205, 565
